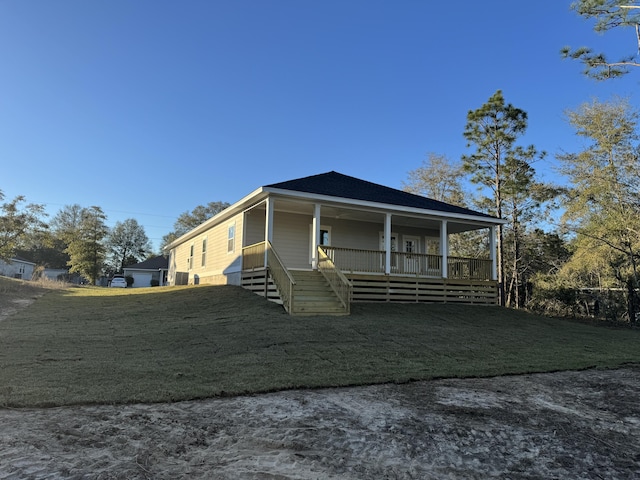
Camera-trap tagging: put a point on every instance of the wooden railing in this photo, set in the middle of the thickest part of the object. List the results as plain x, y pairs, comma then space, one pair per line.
469, 268
338, 282
416, 264
253, 256
354, 260
281, 277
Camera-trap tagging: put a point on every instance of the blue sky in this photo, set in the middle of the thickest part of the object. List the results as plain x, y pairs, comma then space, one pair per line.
148, 108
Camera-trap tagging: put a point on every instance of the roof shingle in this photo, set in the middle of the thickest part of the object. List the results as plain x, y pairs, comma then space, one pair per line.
336, 184
153, 263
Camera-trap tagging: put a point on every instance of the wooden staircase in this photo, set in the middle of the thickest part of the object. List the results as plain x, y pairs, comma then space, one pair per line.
312, 295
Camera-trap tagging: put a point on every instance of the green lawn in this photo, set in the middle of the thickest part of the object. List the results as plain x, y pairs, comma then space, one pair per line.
98, 345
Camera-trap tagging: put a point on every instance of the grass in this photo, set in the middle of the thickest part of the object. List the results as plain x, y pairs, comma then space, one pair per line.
98, 345
11, 288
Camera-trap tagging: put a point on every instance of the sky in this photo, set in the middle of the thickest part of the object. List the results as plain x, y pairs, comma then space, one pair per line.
149, 108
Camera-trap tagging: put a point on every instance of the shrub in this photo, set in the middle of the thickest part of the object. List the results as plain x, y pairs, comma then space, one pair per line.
129, 280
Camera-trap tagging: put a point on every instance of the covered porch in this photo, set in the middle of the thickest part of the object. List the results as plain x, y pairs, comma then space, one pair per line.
375, 241
382, 255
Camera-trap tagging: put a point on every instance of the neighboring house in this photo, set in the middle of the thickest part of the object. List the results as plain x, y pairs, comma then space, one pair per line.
367, 241
144, 273
17, 267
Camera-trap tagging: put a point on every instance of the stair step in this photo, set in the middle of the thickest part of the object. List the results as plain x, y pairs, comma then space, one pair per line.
318, 311
308, 285
313, 295
317, 298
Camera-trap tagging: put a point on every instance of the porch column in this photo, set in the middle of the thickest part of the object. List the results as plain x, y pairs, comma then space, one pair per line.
315, 240
492, 252
268, 226
387, 244
444, 248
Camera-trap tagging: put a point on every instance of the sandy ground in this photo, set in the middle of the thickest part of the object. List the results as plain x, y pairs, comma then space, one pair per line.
10, 306
569, 425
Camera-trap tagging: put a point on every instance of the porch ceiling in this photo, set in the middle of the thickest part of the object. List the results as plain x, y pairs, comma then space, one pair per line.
341, 212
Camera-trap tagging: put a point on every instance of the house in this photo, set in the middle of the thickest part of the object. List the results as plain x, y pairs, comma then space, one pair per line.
152, 271
17, 267
357, 240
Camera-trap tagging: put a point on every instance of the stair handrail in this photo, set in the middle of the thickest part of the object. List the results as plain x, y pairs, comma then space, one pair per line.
281, 277
339, 283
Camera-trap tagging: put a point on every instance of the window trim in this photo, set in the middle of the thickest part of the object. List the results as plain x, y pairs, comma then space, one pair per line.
231, 237
203, 262
190, 257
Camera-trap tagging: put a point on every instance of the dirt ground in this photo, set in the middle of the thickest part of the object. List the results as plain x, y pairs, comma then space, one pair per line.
569, 425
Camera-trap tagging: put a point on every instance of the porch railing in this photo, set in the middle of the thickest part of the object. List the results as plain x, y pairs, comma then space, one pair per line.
373, 261
338, 282
281, 277
253, 256
469, 268
356, 260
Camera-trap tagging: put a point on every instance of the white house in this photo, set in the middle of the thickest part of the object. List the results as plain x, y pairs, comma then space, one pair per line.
17, 267
148, 272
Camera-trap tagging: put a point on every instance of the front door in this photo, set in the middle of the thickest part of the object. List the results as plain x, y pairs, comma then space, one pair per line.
411, 246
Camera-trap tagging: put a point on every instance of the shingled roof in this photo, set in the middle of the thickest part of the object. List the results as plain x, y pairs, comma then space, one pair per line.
153, 263
336, 184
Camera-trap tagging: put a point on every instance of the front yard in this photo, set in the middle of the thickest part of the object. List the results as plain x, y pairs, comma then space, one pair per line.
96, 345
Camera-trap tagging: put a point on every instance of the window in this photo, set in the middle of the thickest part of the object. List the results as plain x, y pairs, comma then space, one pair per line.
190, 260
204, 253
231, 237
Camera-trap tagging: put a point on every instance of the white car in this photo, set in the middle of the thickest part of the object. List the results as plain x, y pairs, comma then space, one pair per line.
118, 282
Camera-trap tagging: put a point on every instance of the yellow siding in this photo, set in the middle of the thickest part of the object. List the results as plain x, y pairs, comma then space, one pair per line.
221, 266
254, 226
291, 239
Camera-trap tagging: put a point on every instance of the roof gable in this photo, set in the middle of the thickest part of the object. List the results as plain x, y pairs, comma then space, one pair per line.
336, 184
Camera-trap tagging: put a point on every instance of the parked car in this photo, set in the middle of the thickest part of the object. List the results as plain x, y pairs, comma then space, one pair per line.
118, 281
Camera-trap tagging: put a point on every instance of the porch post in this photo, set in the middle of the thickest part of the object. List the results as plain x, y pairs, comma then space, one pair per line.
315, 240
444, 248
492, 252
268, 227
387, 244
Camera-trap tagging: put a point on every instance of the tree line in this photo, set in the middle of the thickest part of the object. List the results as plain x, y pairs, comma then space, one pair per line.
78, 239
563, 245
